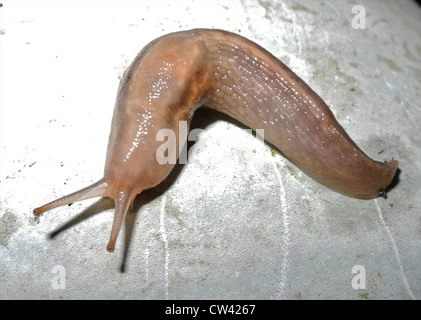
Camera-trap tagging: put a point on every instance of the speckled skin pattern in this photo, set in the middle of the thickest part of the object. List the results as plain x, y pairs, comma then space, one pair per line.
180, 72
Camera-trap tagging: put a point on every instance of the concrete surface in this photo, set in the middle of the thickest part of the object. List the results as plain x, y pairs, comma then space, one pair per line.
238, 221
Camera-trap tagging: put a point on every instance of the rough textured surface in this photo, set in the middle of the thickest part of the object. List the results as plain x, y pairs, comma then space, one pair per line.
238, 221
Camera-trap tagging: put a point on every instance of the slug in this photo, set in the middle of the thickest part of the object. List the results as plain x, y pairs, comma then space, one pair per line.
179, 72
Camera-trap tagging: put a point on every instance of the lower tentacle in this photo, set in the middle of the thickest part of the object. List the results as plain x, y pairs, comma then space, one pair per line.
123, 201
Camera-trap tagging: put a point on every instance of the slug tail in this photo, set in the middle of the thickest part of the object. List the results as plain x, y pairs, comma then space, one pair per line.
96, 189
123, 201
391, 167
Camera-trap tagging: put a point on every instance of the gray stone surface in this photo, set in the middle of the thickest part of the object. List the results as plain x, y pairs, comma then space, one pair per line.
238, 221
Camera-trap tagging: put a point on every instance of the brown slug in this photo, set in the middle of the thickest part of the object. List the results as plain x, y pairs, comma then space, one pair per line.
177, 73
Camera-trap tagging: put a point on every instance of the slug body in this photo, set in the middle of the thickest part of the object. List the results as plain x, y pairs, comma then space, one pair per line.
180, 72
